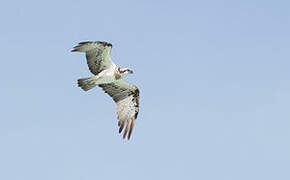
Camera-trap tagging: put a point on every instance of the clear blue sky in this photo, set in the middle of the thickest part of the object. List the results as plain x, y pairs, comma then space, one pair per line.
214, 80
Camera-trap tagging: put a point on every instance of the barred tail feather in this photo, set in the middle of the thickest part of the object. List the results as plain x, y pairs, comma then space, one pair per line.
87, 83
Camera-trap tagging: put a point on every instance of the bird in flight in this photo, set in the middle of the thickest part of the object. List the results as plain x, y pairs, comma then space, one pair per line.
109, 77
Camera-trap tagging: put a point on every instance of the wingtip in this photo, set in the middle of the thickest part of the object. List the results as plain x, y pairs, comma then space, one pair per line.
85, 42
88, 45
121, 125
131, 128
75, 49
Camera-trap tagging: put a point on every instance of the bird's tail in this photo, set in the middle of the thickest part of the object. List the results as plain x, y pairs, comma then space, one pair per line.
87, 83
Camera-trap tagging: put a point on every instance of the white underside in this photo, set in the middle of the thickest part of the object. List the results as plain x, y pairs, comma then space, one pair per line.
107, 76
104, 77
105, 80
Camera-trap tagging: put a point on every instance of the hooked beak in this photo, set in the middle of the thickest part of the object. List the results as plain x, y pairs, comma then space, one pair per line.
131, 72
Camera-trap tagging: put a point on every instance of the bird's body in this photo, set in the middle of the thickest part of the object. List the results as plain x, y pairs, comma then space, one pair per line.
109, 77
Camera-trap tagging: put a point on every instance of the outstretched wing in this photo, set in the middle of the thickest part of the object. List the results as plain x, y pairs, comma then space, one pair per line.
126, 97
97, 54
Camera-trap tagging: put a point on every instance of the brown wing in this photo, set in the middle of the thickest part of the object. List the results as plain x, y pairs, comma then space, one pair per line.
126, 97
97, 54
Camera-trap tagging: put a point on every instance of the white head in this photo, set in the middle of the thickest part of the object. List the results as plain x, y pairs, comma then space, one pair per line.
125, 71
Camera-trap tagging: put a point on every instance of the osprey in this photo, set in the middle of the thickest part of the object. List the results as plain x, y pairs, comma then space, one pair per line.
109, 77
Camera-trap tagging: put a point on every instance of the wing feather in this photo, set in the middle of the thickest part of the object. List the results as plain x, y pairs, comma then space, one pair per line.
126, 97
97, 55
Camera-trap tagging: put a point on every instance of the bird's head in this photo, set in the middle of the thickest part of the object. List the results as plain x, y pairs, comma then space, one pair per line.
125, 71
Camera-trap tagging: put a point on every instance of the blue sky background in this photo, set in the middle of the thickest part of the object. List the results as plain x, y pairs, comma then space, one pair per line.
214, 80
